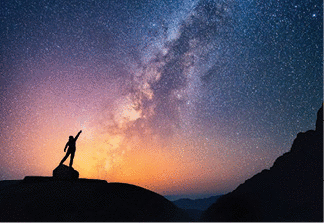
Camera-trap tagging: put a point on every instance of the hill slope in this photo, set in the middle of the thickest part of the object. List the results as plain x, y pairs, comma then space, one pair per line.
292, 190
45, 199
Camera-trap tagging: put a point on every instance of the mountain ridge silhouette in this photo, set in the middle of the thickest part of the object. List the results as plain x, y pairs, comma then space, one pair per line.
291, 190
199, 204
195, 207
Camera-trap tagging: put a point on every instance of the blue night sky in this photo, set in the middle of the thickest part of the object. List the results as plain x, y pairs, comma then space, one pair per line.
186, 98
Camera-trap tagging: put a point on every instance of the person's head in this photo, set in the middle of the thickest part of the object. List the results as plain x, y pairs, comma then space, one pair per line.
71, 138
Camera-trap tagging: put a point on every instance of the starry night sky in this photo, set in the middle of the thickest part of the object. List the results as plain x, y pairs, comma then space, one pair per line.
184, 98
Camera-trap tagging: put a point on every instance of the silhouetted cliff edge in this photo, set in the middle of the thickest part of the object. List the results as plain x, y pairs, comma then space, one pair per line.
292, 190
47, 199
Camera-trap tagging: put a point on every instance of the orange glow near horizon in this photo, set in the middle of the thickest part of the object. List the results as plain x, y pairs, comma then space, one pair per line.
110, 157
174, 169
180, 164
101, 156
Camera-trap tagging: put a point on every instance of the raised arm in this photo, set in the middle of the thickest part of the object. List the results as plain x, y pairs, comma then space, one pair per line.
77, 136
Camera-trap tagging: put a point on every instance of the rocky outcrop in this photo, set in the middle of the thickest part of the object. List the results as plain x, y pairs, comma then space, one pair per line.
63, 172
292, 190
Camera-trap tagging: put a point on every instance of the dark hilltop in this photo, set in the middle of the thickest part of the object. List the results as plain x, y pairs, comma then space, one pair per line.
49, 199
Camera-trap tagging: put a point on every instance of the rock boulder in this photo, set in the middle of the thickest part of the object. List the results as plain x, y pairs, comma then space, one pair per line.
64, 172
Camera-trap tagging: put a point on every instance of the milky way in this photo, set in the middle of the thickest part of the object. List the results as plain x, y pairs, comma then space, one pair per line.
179, 97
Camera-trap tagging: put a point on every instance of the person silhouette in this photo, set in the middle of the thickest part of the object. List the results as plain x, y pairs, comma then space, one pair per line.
71, 149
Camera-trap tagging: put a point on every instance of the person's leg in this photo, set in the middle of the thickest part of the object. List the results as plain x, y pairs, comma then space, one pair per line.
65, 157
71, 159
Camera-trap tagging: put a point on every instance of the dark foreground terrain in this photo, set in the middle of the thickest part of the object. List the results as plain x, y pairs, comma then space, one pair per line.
292, 190
48, 199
